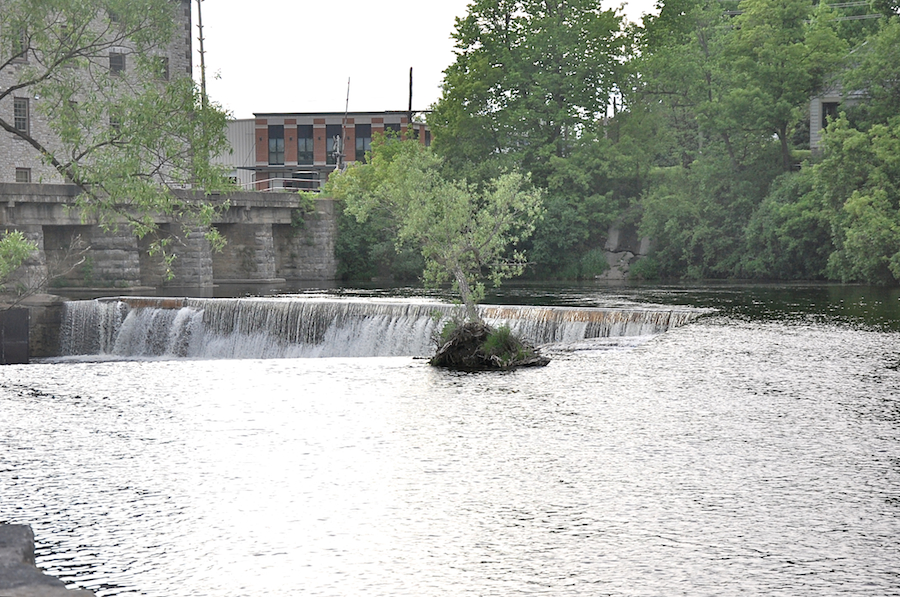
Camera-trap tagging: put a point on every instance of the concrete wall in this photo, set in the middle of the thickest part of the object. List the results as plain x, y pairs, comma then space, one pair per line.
624, 246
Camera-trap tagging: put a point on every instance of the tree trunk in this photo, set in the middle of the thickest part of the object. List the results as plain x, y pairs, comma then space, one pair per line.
465, 294
786, 161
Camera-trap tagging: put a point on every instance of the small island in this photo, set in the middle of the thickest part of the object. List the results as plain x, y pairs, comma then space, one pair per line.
475, 346
467, 234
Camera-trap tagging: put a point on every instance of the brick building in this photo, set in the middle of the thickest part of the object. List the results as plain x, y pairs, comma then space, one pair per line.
299, 150
19, 161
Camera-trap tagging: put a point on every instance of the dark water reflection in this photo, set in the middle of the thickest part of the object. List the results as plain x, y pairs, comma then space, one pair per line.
866, 306
754, 452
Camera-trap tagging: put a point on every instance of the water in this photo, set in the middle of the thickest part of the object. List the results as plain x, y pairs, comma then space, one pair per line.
753, 451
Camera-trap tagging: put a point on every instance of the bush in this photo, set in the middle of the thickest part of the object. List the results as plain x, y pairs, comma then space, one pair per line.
501, 344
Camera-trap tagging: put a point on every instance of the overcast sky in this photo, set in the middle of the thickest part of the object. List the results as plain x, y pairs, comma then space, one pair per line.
296, 55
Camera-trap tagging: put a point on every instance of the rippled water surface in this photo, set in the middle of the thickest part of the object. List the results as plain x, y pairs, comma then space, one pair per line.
736, 455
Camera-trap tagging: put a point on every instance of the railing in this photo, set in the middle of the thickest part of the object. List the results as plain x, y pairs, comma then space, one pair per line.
284, 184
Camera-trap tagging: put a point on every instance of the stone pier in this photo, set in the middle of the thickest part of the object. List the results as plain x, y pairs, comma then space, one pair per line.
19, 577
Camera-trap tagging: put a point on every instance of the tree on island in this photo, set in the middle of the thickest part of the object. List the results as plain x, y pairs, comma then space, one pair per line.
94, 102
466, 234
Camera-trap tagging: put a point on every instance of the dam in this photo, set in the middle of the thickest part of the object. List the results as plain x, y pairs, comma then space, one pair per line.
290, 326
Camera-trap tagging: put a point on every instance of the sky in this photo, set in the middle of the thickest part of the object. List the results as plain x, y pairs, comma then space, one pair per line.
297, 55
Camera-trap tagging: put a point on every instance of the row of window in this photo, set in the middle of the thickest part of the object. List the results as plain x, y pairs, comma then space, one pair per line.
22, 122
22, 118
160, 64
332, 135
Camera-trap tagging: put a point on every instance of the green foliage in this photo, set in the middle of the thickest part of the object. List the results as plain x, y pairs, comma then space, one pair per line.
697, 217
690, 127
527, 92
859, 178
588, 191
15, 249
499, 342
504, 348
789, 236
724, 87
878, 74
87, 270
447, 330
464, 234
645, 268
368, 249
777, 56
528, 76
593, 263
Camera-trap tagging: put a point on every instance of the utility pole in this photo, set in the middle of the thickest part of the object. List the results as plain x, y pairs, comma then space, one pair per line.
409, 121
339, 153
203, 98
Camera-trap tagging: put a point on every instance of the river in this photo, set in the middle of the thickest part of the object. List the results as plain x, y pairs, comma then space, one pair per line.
753, 451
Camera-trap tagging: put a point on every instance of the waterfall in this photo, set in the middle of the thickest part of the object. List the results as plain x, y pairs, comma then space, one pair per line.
311, 327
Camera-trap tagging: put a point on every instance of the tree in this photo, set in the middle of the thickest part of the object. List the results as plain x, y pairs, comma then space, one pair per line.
14, 250
789, 236
779, 53
876, 74
529, 76
859, 178
466, 235
127, 137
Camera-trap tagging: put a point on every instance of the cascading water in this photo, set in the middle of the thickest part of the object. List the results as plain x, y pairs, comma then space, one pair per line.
293, 327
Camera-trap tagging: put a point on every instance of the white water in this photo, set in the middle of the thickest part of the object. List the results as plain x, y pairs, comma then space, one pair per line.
292, 327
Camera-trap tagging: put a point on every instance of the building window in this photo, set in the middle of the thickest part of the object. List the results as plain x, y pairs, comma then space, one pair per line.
363, 141
116, 63
305, 144
20, 48
395, 130
333, 134
276, 144
23, 174
21, 119
829, 112
427, 138
116, 117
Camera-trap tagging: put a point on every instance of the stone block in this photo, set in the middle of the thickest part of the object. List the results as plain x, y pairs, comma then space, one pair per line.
18, 575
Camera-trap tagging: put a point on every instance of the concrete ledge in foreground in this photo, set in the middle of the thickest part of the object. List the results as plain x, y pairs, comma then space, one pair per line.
18, 575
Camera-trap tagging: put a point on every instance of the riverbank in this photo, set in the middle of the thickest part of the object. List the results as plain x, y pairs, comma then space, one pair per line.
19, 577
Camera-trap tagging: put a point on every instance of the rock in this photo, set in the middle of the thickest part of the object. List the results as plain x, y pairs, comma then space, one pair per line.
18, 575
466, 350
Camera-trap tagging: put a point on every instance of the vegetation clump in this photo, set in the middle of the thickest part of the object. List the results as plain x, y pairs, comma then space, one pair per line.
475, 346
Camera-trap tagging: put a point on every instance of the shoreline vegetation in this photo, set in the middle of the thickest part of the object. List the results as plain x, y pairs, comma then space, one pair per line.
697, 129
